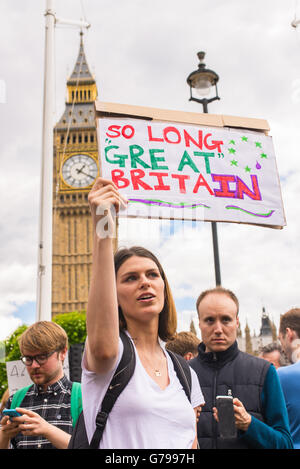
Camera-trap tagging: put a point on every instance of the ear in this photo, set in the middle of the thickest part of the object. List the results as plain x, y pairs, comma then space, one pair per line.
62, 354
290, 334
188, 356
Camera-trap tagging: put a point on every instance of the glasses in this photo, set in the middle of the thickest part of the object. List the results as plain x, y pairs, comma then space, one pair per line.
40, 359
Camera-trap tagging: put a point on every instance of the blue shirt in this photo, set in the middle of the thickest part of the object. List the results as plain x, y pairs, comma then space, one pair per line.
274, 434
290, 381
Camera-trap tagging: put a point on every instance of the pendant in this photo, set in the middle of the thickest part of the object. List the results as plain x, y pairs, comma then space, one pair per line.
157, 373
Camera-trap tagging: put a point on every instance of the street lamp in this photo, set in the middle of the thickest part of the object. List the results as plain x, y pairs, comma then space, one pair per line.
202, 82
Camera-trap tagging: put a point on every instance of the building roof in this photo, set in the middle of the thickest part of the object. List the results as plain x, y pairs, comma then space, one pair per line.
266, 328
79, 114
81, 72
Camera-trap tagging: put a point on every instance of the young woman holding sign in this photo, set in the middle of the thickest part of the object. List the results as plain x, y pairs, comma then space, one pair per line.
130, 291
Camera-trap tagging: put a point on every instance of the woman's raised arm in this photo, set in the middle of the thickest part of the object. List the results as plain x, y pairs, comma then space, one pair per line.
102, 310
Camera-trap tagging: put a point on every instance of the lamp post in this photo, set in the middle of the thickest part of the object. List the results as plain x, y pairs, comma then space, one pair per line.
203, 81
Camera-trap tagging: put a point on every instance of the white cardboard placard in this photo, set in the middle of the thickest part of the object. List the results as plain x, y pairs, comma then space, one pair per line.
185, 171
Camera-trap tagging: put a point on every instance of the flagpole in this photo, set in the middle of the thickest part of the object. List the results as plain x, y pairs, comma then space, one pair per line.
44, 280
44, 274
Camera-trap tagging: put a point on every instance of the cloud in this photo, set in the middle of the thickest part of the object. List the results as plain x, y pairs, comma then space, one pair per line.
17, 286
8, 324
142, 53
184, 321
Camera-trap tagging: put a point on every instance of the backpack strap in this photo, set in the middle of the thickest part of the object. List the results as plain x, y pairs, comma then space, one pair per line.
19, 396
76, 402
120, 379
183, 372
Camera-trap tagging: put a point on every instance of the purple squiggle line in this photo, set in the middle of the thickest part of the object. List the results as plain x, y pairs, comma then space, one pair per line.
166, 204
251, 213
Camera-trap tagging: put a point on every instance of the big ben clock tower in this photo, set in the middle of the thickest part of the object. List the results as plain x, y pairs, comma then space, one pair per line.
74, 172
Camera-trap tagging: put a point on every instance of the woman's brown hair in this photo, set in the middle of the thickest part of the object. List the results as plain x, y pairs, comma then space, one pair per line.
168, 317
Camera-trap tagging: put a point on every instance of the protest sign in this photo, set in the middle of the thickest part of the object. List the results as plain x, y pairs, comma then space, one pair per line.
17, 376
183, 170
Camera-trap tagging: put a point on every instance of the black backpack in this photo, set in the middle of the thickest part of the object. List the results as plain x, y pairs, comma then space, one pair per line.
120, 379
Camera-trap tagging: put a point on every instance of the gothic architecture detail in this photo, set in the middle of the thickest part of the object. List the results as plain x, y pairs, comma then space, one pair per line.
75, 169
267, 334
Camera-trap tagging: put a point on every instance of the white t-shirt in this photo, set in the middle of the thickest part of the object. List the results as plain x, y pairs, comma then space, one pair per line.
144, 416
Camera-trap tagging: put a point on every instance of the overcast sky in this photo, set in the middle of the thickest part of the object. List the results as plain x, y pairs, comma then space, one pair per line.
141, 53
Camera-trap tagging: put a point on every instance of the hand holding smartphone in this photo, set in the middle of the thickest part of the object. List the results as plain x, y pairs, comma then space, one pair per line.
226, 418
11, 413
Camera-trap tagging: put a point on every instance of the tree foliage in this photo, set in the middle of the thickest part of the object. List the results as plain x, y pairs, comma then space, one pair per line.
74, 324
12, 352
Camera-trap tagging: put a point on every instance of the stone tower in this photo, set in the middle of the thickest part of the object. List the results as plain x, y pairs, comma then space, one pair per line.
75, 161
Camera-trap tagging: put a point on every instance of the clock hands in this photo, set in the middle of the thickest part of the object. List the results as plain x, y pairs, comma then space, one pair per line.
89, 175
82, 172
79, 171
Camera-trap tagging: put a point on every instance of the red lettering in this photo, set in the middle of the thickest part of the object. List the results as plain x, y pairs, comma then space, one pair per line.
224, 181
114, 128
215, 143
167, 130
125, 133
202, 182
188, 138
242, 189
151, 138
118, 179
161, 186
181, 179
136, 176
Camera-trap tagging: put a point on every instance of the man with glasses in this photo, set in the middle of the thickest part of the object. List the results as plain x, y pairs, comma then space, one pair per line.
46, 420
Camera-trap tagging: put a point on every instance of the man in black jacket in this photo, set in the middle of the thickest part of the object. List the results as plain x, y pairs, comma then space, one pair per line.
259, 408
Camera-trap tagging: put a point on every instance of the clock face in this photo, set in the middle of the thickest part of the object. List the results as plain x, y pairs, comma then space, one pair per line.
79, 171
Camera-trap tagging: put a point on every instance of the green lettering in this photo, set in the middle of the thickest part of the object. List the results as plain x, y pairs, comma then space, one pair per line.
135, 152
118, 159
206, 156
156, 159
187, 160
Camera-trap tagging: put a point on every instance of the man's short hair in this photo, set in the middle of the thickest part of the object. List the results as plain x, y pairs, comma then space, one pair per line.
219, 290
44, 336
290, 319
273, 347
184, 342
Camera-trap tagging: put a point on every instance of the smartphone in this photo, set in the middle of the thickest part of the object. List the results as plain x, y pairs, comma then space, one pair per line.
11, 413
227, 426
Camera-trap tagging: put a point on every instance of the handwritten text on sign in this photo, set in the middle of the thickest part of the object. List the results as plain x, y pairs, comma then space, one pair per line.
181, 171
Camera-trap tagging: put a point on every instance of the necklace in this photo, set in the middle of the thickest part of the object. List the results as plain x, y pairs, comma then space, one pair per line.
157, 371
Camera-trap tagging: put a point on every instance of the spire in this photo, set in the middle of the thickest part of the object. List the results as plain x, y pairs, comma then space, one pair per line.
248, 342
81, 72
81, 94
266, 329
